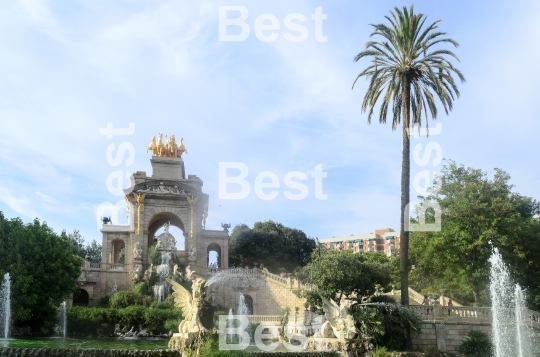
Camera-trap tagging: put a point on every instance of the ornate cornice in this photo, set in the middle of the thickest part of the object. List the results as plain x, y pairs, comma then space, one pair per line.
165, 187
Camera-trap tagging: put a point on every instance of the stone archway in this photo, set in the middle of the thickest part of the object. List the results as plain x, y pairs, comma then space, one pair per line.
158, 220
118, 247
248, 300
81, 298
214, 247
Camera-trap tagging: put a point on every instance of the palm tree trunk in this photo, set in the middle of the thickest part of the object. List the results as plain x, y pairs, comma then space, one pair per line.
405, 187
405, 190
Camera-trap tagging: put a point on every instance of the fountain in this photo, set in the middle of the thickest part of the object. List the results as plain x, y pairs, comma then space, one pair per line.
5, 306
161, 289
61, 327
511, 334
166, 246
243, 309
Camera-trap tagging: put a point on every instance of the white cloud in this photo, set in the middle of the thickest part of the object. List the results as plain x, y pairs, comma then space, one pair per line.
18, 202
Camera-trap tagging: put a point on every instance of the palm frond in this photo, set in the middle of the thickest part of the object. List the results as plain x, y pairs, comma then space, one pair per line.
408, 58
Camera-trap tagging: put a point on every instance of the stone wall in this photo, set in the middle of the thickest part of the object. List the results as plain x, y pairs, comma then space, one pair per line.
444, 327
446, 336
270, 293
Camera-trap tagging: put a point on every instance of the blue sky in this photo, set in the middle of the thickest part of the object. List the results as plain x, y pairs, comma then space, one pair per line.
69, 68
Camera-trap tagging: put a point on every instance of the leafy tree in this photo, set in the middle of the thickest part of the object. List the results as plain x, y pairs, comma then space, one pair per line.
410, 73
91, 251
477, 213
342, 273
271, 244
43, 267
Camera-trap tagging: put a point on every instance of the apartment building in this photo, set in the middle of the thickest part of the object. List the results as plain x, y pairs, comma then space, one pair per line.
383, 240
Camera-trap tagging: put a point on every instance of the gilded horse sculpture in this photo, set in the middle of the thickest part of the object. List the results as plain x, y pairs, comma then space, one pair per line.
170, 149
153, 146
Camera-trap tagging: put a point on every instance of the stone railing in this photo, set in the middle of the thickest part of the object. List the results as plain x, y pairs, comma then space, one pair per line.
276, 278
91, 266
419, 298
416, 296
290, 283
264, 318
467, 313
452, 313
105, 266
116, 266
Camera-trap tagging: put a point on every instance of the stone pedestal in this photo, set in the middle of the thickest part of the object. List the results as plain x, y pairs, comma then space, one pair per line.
182, 341
171, 168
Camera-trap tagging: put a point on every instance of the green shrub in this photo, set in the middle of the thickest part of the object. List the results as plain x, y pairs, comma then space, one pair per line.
123, 299
104, 301
172, 325
380, 352
387, 324
476, 344
140, 288
217, 313
210, 348
383, 299
167, 304
88, 320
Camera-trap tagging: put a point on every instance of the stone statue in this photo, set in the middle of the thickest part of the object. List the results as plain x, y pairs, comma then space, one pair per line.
190, 274
114, 288
137, 251
190, 305
204, 216
339, 318
137, 273
176, 272
192, 254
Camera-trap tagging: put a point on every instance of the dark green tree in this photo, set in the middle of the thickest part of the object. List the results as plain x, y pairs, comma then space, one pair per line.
343, 274
408, 72
43, 267
271, 244
90, 251
477, 214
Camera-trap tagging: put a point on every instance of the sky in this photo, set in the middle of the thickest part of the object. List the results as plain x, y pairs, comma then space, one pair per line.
68, 69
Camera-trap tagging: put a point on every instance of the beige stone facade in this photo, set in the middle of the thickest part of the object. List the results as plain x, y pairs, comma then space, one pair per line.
266, 293
166, 197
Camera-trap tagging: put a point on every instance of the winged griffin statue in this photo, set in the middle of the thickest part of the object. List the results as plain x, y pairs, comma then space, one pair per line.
339, 318
190, 304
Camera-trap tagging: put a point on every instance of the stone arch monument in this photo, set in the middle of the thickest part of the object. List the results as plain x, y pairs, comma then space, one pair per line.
166, 197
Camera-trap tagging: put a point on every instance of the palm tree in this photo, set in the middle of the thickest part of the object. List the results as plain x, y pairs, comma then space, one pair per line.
407, 74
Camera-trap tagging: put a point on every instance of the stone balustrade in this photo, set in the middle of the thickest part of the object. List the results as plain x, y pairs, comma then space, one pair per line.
290, 283
452, 313
264, 318
89, 266
469, 314
419, 298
